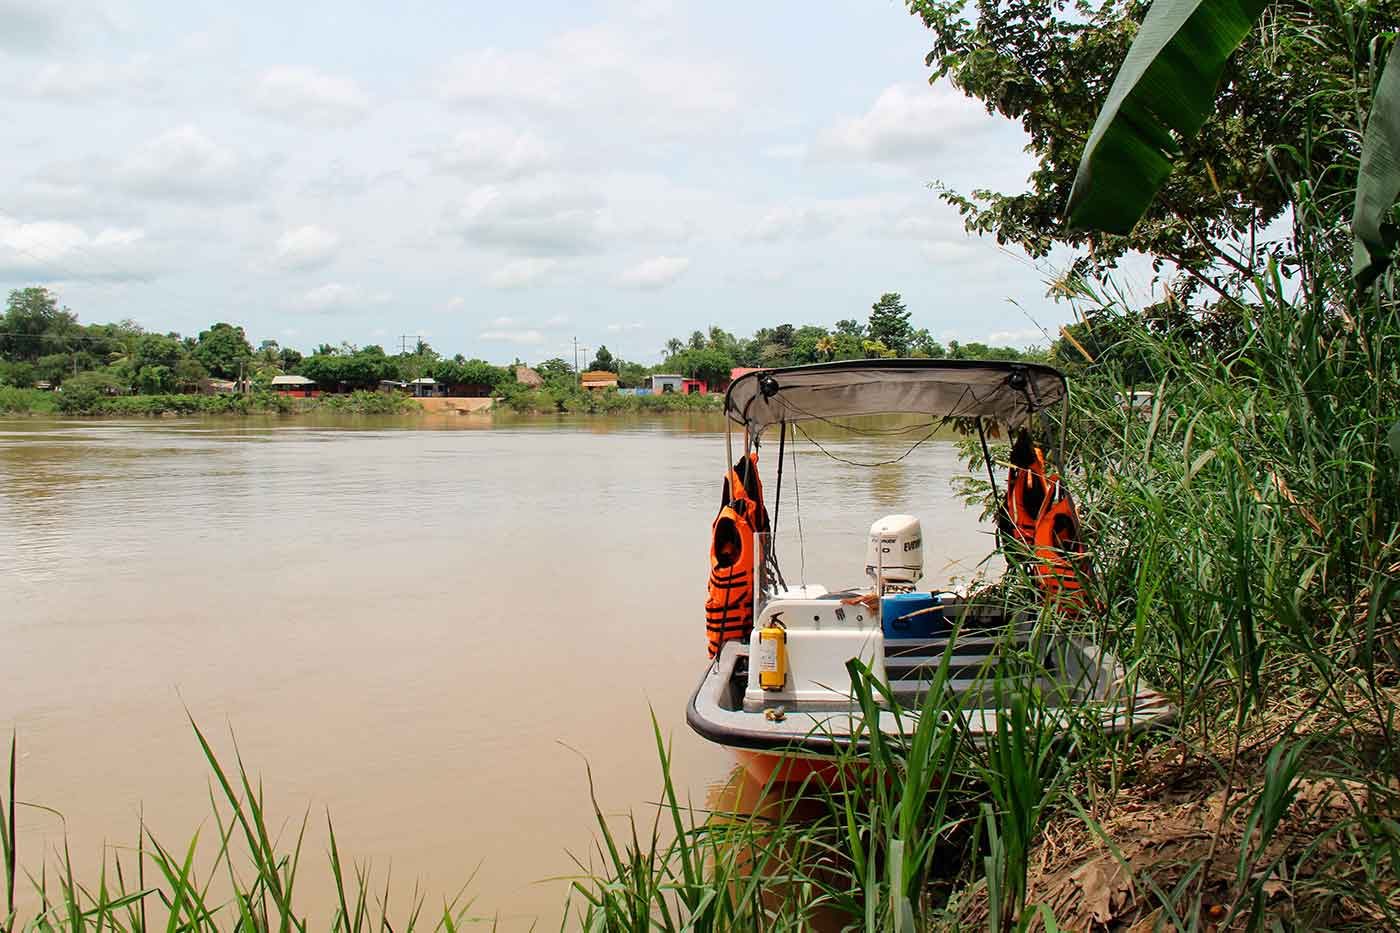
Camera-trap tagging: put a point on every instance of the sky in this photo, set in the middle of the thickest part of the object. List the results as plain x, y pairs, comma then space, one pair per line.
499, 178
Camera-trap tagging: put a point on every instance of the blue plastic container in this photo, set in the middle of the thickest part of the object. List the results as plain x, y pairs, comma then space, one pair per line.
896, 621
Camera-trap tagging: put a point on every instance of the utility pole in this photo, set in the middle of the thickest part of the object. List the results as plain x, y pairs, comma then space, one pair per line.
578, 377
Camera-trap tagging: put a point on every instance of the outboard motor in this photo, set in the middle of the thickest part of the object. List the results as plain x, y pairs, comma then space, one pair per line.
894, 557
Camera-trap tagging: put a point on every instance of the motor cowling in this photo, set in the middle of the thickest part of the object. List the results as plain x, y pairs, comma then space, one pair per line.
895, 552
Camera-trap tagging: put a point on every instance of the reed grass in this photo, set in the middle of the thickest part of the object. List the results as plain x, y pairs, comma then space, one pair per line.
248, 884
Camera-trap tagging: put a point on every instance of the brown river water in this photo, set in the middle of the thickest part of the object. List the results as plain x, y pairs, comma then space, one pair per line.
422, 627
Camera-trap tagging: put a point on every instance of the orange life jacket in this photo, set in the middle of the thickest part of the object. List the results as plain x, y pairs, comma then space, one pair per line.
1026, 492
729, 605
729, 608
1059, 551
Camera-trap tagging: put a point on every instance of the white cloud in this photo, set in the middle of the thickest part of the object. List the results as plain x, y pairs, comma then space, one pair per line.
456, 302
785, 151
616, 71
785, 222
48, 251
655, 273
494, 153
521, 272
87, 81
185, 164
907, 122
1020, 337
308, 247
558, 320
512, 336
333, 296
620, 328
307, 97
537, 218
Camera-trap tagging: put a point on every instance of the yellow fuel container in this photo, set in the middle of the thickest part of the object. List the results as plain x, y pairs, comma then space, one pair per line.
772, 656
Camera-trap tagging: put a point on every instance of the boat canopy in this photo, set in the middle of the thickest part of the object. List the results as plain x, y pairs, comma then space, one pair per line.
1009, 392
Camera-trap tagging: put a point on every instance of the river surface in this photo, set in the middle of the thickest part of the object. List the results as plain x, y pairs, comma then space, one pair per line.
424, 628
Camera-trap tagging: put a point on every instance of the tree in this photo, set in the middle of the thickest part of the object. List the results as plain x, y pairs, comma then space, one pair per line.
155, 379
697, 340
889, 324
188, 373
52, 367
1049, 66
631, 375
710, 365
825, 347
603, 360
875, 349
222, 348
849, 327
32, 321
556, 371
925, 346
157, 350
18, 374
81, 391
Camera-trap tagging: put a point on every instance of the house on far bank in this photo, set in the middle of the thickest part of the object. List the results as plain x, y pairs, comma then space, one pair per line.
427, 387
596, 380
675, 384
735, 373
295, 386
665, 383
528, 377
217, 387
393, 385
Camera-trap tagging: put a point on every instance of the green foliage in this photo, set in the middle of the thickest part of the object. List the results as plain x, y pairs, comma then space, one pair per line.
477, 373
362, 403
18, 374
222, 348
889, 324
711, 365
555, 399
25, 400
1288, 96
82, 392
357, 369
603, 360
33, 324
555, 370
253, 870
1378, 182
1165, 90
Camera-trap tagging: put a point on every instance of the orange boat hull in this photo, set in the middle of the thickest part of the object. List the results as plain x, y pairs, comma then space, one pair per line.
767, 767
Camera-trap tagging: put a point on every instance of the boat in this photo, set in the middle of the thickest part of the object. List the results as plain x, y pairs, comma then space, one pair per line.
778, 689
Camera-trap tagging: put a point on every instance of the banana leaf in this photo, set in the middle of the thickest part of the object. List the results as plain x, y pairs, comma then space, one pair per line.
1378, 182
1167, 85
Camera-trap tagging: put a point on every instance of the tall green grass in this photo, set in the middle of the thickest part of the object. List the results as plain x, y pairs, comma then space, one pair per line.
249, 883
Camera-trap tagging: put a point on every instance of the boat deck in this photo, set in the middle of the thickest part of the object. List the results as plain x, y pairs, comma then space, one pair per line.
987, 661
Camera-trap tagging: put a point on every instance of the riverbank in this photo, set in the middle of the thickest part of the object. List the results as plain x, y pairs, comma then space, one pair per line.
538, 402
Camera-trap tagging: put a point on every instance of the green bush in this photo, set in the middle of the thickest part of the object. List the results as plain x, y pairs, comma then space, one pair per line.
553, 400
26, 400
365, 403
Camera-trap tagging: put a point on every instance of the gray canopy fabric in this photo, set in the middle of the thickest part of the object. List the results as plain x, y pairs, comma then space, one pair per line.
1003, 391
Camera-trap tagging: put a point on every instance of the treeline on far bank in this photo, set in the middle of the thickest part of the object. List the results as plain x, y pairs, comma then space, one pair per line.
50, 362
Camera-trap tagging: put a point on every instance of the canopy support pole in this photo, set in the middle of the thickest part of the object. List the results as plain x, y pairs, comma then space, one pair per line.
991, 477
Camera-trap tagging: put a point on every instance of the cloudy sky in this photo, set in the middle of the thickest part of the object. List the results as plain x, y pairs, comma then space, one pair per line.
498, 177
